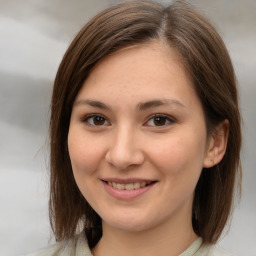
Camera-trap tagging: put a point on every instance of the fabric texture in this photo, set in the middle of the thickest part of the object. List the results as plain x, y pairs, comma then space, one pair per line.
78, 247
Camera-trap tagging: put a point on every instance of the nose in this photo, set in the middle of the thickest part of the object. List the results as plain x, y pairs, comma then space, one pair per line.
124, 150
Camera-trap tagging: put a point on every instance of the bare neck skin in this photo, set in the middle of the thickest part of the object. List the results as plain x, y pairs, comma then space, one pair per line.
169, 238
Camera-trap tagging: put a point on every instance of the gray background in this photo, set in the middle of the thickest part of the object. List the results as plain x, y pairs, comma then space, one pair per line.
34, 35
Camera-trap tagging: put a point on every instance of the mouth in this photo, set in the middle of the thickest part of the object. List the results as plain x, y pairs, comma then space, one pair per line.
127, 189
129, 186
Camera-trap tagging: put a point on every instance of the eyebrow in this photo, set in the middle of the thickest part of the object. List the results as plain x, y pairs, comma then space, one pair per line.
157, 103
93, 103
141, 106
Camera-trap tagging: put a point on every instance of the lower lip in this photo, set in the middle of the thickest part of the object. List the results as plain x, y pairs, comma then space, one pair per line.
127, 194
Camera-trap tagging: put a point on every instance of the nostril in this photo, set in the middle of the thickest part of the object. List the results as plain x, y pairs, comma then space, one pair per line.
123, 158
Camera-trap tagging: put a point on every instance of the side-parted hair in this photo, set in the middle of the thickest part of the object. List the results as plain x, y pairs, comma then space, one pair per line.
206, 60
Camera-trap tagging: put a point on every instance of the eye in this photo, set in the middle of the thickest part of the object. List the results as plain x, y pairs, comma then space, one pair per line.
159, 120
95, 120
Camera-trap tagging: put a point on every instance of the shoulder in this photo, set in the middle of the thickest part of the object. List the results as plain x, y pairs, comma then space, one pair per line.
50, 250
211, 250
76, 246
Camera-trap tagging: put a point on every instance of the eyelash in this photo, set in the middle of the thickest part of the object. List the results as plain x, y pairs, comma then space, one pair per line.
166, 118
88, 117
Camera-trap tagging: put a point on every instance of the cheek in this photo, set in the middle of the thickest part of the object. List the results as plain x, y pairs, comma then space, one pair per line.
85, 153
179, 153
179, 159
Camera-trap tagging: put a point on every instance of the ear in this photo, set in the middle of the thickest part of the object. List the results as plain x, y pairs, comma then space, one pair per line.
217, 144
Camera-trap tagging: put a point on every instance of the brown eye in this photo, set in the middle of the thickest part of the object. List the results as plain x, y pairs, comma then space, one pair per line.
98, 120
95, 120
159, 120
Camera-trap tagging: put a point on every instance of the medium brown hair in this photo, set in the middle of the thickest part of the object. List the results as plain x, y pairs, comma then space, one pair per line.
205, 58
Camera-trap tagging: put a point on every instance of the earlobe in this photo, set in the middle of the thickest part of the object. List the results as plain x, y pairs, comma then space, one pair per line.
217, 145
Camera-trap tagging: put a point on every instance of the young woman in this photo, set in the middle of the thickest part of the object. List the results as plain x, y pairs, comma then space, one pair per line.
145, 135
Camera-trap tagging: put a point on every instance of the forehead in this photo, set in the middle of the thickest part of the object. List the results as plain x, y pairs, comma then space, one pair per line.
151, 53
150, 69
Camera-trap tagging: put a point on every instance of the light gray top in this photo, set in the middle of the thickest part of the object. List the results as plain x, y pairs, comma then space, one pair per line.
78, 247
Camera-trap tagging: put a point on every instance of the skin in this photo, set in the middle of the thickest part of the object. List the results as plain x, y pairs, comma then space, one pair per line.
128, 142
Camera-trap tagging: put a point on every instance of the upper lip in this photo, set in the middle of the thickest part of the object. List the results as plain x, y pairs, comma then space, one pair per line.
128, 180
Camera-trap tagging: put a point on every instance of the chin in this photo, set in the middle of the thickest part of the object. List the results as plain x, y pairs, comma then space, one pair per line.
129, 224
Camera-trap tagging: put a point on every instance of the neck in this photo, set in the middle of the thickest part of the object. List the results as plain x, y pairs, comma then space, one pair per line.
166, 239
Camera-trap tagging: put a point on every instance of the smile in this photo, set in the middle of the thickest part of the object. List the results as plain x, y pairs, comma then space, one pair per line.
128, 189
129, 186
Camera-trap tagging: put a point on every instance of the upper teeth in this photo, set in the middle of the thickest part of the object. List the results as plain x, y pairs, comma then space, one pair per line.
129, 186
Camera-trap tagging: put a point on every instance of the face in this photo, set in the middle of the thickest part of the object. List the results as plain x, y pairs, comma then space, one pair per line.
137, 139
